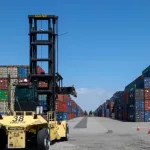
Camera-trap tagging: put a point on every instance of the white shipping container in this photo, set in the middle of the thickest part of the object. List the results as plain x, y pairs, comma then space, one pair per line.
3, 75
107, 113
3, 107
3, 72
3, 69
13, 71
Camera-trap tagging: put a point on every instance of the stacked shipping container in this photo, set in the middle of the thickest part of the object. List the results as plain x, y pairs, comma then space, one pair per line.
66, 108
132, 104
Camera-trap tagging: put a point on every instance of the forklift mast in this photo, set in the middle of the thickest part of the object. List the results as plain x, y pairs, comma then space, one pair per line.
49, 77
30, 101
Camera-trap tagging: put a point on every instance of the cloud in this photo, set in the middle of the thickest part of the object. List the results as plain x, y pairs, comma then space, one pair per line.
90, 99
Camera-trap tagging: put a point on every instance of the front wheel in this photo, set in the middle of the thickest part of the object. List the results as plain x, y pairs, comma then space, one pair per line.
43, 139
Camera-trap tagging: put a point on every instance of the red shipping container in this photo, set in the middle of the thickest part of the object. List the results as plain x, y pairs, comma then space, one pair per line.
40, 70
63, 98
102, 115
73, 115
111, 105
69, 116
73, 104
60, 97
125, 96
125, 116
67, 97
42, 84
147, 94
61, 106
3, 84
147, 104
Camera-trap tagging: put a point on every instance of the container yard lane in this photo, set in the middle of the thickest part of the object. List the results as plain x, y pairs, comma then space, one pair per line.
99, 133
96, 133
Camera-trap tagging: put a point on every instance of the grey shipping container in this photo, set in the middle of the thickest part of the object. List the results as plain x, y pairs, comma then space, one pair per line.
139, 94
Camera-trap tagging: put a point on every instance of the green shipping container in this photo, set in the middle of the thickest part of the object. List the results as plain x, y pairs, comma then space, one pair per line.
3, 95
146, 70
132, 86
24, 94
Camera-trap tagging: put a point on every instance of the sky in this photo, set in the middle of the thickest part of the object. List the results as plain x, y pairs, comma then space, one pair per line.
107, 44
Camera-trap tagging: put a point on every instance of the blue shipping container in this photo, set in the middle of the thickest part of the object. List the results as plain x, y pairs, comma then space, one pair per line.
140, 84
42, 103
68, 109
42, 97
42, 100
147, 116
139, 104
22, 72
135, 115
147, 82
107, 113
120, 115
61, 116
68, 102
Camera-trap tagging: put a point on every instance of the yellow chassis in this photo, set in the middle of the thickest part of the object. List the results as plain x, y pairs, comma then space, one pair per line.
17, 132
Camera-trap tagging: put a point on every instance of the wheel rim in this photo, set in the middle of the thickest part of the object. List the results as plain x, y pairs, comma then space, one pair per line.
47, 143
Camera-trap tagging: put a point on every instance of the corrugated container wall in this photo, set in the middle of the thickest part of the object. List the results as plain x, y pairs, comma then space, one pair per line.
22, 72
3, 84
3, 72
13, 72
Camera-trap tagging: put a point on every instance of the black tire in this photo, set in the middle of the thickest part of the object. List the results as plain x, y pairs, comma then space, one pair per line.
67, 133
43, 135
3, 139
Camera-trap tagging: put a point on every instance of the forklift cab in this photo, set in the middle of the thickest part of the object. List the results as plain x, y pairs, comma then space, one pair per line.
25, 99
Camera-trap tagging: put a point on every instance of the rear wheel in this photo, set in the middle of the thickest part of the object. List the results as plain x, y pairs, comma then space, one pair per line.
43, 139
3, 139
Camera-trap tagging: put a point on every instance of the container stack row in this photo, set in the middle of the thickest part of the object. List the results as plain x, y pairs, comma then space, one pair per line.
66, 107
18, 73
132, 104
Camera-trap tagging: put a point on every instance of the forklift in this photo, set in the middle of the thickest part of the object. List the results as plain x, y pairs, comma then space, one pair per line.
30, 122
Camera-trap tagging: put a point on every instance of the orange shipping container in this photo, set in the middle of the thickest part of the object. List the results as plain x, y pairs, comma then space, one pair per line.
147, 104
111, 104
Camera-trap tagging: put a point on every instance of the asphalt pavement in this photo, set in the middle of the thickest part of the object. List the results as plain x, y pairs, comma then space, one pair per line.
95, 133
